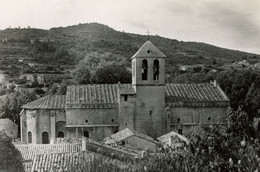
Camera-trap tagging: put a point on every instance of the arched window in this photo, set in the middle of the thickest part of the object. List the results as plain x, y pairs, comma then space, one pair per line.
60, 134
86, 134
144, 69
29, 137
180, 131
45, 138
156, 70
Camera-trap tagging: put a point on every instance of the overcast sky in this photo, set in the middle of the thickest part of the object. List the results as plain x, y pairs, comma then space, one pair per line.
231, 24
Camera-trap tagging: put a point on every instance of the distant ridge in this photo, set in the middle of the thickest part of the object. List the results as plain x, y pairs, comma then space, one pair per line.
90, 37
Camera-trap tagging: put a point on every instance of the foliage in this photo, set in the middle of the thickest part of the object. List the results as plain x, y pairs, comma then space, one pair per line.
100, 68
11, 159
10, 106
68, 45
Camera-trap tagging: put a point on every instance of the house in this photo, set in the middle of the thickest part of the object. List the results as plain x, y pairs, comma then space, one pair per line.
173, 140
43, 77
147, 104
133, 139
28, 77
9, 127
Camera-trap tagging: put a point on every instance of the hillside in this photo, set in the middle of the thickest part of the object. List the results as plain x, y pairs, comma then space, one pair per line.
67, 45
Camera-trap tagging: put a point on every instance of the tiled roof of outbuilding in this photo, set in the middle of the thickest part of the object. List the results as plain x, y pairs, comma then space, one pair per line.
76, 161
165, 138
205, 92
47, 102
148, 50
124, 134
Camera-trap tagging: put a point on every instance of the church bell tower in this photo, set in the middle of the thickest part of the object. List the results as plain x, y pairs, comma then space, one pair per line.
148, 81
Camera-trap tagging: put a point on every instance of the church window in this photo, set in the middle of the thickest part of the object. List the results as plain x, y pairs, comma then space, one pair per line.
112, 120
29, 137
180, 131
144, 69
209, 118
86, 134
86, 121
45, 138
150, 112
156, 70
125, 123
123, 142
179, 119
60, 134
148, 51
125, 97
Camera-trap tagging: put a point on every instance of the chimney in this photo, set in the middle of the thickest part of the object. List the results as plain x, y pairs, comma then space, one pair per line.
214, 83
170, 141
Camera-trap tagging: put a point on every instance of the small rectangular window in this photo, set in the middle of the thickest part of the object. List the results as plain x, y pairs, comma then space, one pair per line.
125, 97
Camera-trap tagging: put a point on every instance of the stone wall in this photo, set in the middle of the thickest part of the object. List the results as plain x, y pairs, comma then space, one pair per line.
126, 111
39, 121
187, 118
150, 106
99, 123
140, 143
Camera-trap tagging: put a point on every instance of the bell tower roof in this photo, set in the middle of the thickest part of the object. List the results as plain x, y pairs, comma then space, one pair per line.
148, 50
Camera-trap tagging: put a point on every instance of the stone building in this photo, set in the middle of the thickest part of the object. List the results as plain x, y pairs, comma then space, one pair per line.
148, 105
42, 119
132, 139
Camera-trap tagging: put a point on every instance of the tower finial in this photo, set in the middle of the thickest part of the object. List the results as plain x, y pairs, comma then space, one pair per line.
148, 34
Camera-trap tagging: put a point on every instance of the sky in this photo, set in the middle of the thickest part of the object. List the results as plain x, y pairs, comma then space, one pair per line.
233, 24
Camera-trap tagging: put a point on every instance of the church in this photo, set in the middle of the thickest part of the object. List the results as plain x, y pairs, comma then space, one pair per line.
147, 105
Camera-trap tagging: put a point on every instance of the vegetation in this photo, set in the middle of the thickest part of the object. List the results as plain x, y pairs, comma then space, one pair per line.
68, 45
10, 105
11, 159
101, 68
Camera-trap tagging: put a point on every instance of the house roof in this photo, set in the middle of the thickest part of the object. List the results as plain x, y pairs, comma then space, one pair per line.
29, 151
148, 50
76, 161
205, 92
47, 102
124, 134
165, 138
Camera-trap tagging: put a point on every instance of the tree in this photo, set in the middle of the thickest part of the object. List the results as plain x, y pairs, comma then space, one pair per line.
82, 75
10, 106
252, 100
102, 68
11, 159
111, 74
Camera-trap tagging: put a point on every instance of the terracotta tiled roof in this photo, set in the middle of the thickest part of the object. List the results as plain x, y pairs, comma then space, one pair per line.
89, 94
77, 161
206, 92
165, 138
47, 102
126, 89
148, 50
28, 151
124, 134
